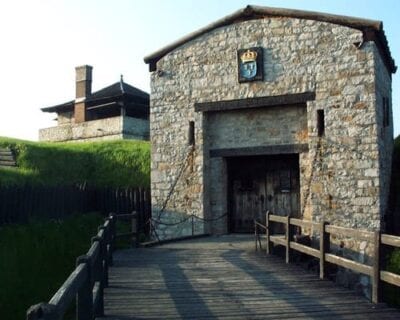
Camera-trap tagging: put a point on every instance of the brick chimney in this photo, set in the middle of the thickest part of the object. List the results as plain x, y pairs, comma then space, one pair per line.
83, 90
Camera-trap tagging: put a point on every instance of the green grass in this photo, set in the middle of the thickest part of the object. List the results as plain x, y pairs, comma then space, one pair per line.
123, 163
36, 259
396, 165
392, 293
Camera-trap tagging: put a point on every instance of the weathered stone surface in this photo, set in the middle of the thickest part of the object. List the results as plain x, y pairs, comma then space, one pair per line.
104, 129
344, 175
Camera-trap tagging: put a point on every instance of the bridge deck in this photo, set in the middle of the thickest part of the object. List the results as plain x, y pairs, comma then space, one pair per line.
223, 278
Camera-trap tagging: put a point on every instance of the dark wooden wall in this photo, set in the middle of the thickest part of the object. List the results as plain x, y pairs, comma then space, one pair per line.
20, 204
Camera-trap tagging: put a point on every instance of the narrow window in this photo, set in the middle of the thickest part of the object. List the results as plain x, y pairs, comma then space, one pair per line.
386, 112
320, 122
191, 140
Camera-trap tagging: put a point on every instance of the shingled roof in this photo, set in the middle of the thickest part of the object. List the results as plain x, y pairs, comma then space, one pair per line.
372, 29
117, 90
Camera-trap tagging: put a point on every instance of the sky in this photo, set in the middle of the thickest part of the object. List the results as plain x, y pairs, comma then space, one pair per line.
42, 41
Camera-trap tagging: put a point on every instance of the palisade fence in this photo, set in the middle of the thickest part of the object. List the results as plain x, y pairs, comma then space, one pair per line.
20, 204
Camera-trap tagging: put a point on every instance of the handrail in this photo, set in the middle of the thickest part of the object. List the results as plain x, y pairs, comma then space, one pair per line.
86, 283
326, 230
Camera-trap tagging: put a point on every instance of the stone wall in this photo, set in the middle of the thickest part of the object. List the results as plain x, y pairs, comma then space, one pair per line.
340, 175
104, 129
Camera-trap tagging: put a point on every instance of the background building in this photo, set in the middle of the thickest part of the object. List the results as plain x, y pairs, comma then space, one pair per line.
119, 111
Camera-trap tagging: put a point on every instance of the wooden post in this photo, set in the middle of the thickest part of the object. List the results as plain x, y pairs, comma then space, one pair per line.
42, 311
288, 235
98, 310
104, 257
324, 247
84, 297
255, 234
113, 235
376, 287
268, 234
134, 229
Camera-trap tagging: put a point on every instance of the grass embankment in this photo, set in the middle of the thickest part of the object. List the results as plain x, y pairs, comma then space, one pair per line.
36, 259
110, 163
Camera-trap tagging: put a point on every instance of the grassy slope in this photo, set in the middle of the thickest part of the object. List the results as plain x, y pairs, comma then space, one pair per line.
114, 163
37, 258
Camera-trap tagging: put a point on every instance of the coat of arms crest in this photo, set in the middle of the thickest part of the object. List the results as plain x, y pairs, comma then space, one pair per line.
250, 66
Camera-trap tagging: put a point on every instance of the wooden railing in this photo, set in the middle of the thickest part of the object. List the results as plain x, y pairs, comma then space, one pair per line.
86, 283
324, 255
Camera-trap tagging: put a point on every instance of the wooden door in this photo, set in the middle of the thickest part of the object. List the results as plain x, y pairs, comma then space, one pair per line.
258, 184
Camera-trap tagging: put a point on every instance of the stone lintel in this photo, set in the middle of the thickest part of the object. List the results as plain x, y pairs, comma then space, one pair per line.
258, 151
259, 102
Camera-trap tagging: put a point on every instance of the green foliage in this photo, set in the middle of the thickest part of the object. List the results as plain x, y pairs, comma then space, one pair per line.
392, 293
396, 164
37, 258
123, 163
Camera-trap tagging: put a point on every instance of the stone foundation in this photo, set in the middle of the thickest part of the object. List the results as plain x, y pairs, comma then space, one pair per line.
115, 128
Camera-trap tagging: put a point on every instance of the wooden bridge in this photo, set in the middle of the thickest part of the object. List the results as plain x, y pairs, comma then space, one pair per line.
206, 278
223, 278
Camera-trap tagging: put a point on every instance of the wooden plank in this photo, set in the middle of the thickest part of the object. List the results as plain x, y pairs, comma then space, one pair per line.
67, 292
278, 240
126, 216
94, 252
275, 218
349, 264
390, 240
258, 102
305, 223
260, 225
353, 233
390, 277
304, 249
264, 150
126, 234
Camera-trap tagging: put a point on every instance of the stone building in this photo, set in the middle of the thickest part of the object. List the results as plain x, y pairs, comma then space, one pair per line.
119, 111
271, 109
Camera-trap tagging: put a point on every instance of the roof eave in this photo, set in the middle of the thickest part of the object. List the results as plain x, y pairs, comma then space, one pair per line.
58, 108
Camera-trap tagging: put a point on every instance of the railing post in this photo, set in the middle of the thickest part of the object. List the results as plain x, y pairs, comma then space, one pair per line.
255, 234
98, 309
109, 244
42, 311
104, 256
376, 287
84, 297
324, 247
289, 236
134, 229
113, 236
268, 234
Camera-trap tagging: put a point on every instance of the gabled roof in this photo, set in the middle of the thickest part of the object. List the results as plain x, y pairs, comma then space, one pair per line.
117, 90
372, 29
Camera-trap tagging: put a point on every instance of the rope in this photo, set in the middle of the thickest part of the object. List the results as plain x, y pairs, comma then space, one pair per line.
307, 193
184, 164
159, 222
